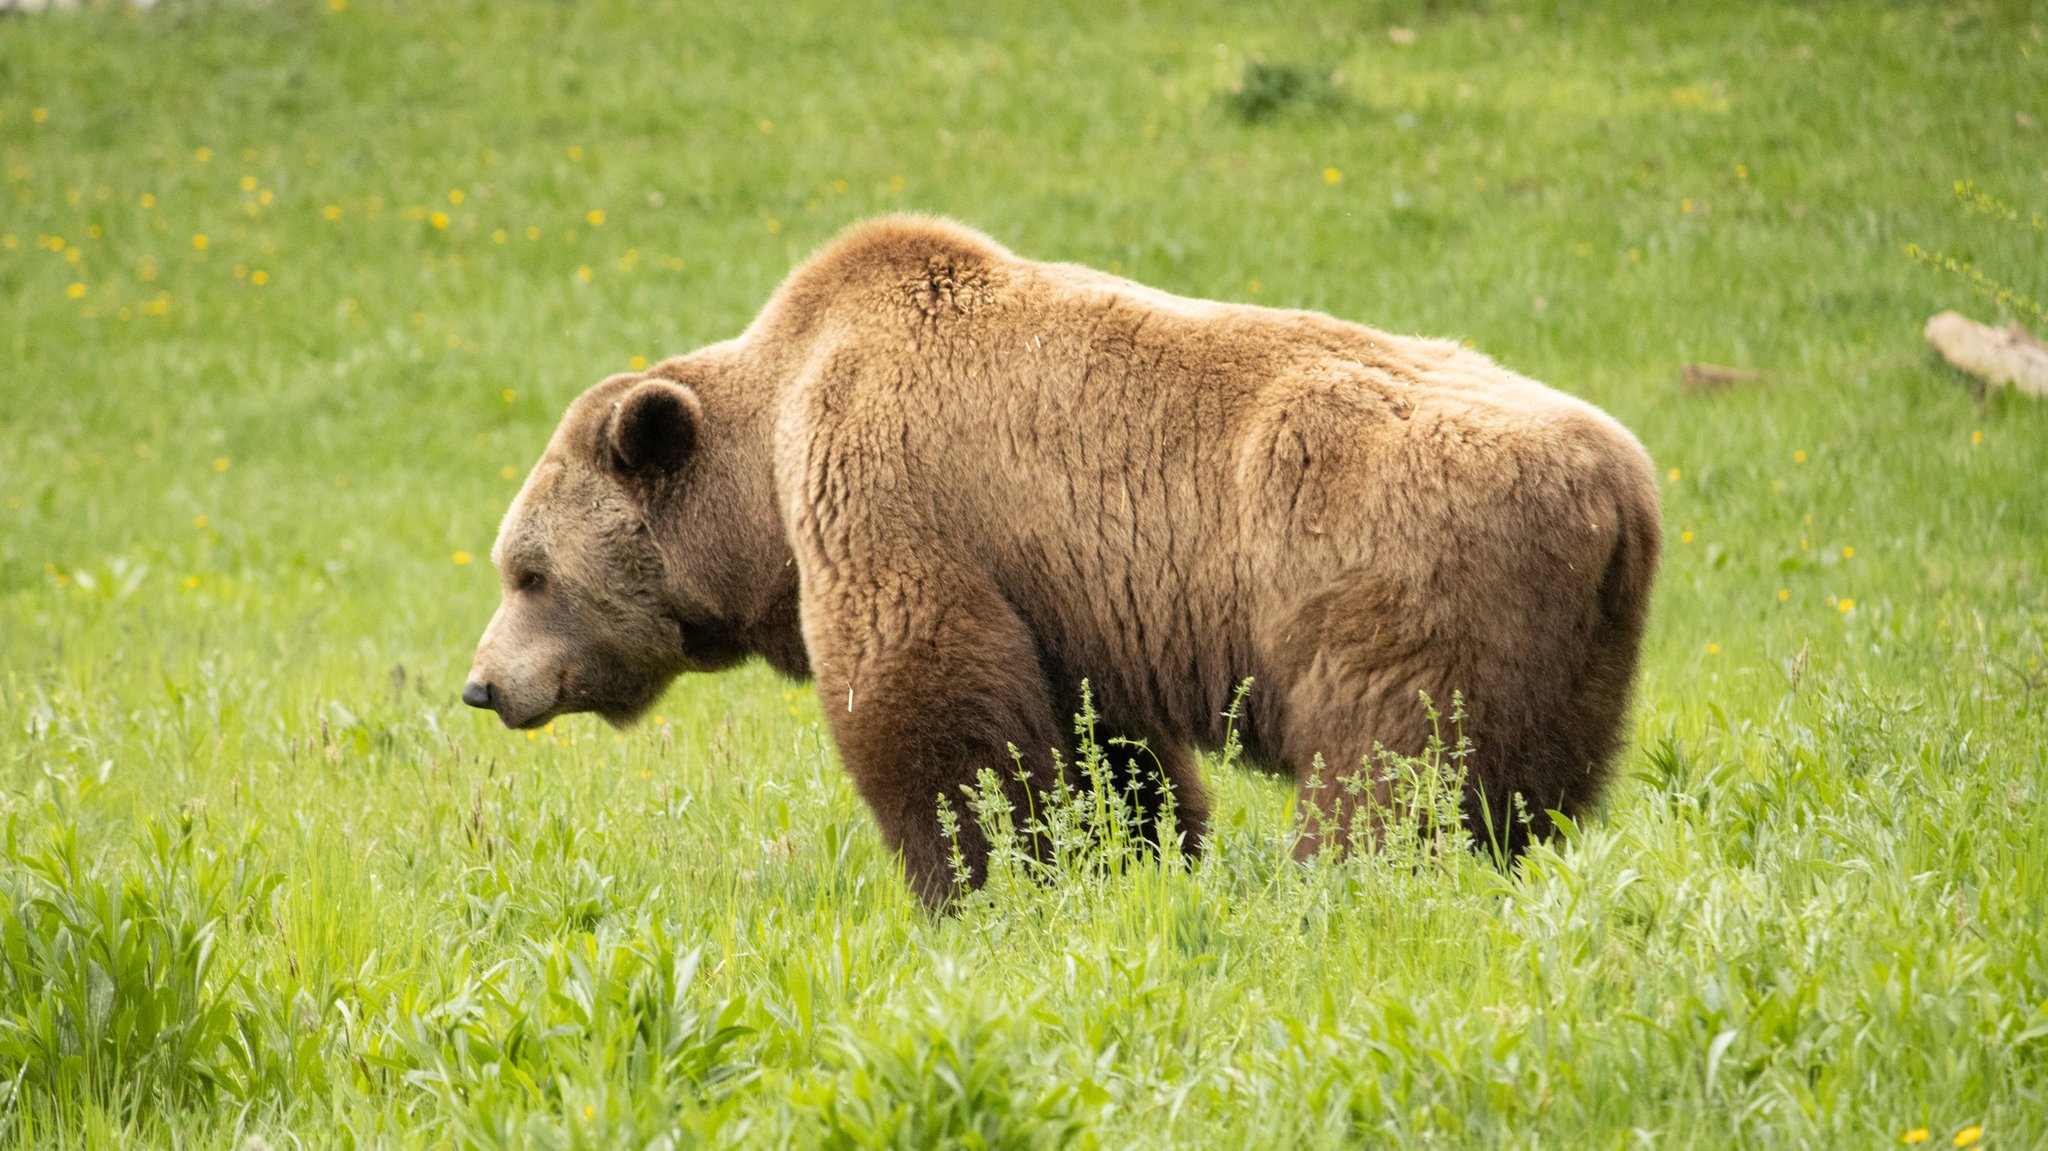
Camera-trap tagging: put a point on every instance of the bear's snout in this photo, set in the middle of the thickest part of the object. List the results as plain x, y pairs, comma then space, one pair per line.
481, 695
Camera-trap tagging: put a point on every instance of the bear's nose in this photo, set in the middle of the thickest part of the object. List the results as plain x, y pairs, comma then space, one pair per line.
480, 694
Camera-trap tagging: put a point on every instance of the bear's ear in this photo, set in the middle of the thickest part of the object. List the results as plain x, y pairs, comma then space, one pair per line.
654, 428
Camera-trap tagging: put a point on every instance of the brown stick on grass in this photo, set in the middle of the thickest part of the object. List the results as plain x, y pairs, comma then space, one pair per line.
1714, 377
1998, 356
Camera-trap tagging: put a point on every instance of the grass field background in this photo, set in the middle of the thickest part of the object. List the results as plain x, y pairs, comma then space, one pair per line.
290, 298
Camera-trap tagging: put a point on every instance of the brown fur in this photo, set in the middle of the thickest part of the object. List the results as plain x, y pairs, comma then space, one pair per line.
975, 481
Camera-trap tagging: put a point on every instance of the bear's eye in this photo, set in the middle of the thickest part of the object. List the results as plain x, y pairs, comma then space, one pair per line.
532, 582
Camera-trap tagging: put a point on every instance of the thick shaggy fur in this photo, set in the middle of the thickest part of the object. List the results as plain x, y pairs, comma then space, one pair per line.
974, 481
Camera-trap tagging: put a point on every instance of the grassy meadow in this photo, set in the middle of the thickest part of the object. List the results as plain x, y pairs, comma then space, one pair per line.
291, 295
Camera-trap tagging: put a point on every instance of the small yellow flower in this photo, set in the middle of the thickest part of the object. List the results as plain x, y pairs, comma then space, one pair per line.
454, 341
1848, 553
332, 211
461, 558
202, 154
337, 5
248, 183
220, 463
1332, 176
1968, 1135
1742, 171
200, 241
767, 127
531, 735
1846, 606
39, 115
1916, 1135
190, 582
199, 522
438, 219
1673, 475
508, 395
259, 277
895, 185
1685, 205
148, 201
241, 271
10, 241
508, 472
1685, 537
1783, 595
585, 274
498, 236
75, 291
1635, 255
595, 217
1252, 286
1777, 485
1713, 649
533, 233
1976, 437
455, 196
575, 151
774, 226
638, 363
1799, 457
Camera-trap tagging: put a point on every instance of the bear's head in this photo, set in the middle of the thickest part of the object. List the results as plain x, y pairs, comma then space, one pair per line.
639, 548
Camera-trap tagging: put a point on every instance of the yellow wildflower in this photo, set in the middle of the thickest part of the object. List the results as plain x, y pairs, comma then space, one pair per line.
220, 463
595, 216
438, 219
259, 277
248, 183
1783, 595
1846, 606
202, 154
199, 522
1332, 176
1968, 1135
455, 196
585, 274
638, 363
75, 291
332, 211
460, 558
200, 241
1916, 1135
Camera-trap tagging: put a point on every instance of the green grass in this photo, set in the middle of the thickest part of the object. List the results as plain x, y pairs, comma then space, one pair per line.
263, 875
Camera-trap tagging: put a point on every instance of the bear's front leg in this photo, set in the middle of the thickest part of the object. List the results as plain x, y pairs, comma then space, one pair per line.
928, 681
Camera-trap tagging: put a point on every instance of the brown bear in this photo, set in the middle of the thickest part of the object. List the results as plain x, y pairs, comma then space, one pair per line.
952, 484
